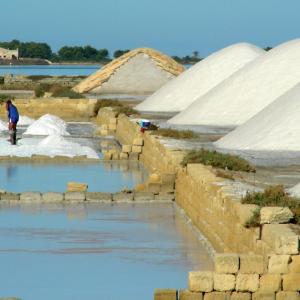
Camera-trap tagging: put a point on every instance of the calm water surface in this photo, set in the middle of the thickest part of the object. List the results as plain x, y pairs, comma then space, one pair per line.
103, 176
108, 252
51, 70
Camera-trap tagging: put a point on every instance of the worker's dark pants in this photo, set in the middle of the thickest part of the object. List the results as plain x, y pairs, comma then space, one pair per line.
13, 133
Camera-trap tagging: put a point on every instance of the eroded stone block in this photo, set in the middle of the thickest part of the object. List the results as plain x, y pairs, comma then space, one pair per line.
30, 197
165, 294
75, 196
77, 187
123, 197
98, 197
201, 281
240, 296
263, 296
53, 197
291, 282
187, 295
270, 283
226, 263
143, 196
278, 264
224, 282
251, 264
283, 295
247, 282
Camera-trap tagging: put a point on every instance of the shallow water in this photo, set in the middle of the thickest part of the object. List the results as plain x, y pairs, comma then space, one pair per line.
110, 176
103, 251
51, 70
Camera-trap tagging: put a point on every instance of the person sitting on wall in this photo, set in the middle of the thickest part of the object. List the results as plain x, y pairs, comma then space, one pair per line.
13, 118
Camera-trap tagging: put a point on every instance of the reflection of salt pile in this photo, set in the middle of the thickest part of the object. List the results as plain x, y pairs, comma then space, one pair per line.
24, 120
3, 126
180, 92
47, 125
52, 145
275, 128
247, 91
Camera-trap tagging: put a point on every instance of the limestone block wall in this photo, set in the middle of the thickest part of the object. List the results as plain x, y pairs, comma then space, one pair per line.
67, 109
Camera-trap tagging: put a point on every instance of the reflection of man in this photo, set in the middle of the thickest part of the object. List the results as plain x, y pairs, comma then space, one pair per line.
13, 118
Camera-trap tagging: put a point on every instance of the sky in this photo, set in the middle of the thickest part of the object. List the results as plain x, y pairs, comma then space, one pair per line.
175, 27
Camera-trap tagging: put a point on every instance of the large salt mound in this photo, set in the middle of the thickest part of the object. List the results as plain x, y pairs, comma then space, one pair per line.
48, 125
51, 146
246, 92
275, 128
179, 93
295, 190
24, 120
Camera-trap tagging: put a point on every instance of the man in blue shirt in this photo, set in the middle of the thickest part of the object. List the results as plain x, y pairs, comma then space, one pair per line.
13, 118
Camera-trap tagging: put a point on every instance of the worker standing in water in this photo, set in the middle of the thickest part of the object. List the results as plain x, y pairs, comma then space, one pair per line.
13, 118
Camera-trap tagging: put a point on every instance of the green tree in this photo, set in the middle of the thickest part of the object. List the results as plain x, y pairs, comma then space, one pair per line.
119, 53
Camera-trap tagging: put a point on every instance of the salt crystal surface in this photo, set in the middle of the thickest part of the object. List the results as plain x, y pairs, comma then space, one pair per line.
183, 90
3, 126
51, 146
248, 91
275, 128
48, 125
295, 190
24, 120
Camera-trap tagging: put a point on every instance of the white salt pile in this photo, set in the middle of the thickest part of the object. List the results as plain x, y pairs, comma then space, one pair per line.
275, 128
48, 125
51, 146
180, 92
295, 190
246, 92
24, 121
3, 126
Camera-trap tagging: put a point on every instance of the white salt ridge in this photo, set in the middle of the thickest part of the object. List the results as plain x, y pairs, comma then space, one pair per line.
248, 91
295, 190
24, 121
179, 93
51, 146
275, 128
48, 125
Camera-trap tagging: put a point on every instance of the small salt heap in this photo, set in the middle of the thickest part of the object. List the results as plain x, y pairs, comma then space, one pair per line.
48, 125
24, 121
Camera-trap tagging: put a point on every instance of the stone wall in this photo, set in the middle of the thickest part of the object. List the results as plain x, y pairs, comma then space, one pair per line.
67, 109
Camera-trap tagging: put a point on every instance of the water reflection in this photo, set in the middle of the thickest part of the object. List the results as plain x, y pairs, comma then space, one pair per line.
82, 251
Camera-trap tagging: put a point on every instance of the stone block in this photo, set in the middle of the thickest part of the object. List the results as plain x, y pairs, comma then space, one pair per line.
154, 178
240, 296
166, 294
294, 266
187, 295
137, 149
201, 281
226, 263
104, 132
270, 283
247, 282
77, 187
53, 197
165, 197
30, 197
138, 142
245, 212
154, 187
224, 282
141, 187
291, 282
263, 296
124, 156
10, 197
75, 196
167, 187
217, 296
134, 156
278, 264
168, 178
281, 238
107, 155
112, 127
143, 196
104, 127
126, 148
123, 197
251, 264
113, 121
275, 215
283, 295
98, 197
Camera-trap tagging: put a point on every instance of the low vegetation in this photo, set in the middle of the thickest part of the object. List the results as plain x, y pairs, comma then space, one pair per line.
56, 91
272, 196
118, 107
128, 111
5, 97
176, 134
218, 160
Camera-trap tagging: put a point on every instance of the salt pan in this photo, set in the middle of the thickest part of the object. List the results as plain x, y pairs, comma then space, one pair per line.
248, 91
183, 90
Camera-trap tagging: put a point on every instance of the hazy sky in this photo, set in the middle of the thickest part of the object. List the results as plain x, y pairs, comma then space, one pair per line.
172, 26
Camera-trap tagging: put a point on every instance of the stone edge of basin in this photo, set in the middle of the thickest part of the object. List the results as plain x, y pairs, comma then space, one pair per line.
88, 197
